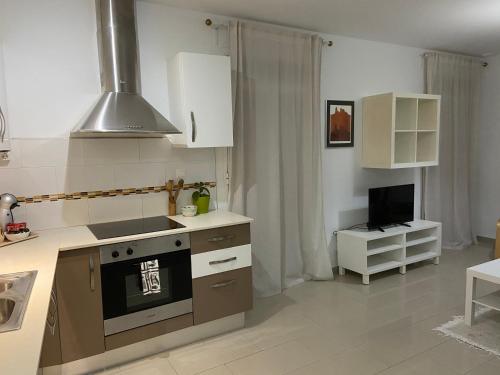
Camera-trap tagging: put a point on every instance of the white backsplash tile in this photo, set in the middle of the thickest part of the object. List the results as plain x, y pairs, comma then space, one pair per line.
155, 204
200, 171
41, 180
170, 169
75, 152
139, 175
158, 150
110, 151
28, 181
13, 181
85, 178
50, 166
115, 208
49, 215
44, 152
196, 154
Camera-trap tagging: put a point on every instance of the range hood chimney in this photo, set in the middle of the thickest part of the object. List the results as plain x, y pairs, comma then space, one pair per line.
121, 111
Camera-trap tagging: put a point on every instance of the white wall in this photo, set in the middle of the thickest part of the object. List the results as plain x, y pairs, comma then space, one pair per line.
3, 99
51, 62
352, 69
487, 211
52, 79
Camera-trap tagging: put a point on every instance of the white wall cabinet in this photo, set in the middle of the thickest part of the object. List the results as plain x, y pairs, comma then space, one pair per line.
4, 130
401, 130
200, 100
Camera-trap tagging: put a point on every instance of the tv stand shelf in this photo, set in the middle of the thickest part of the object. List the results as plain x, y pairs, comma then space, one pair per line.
370, 252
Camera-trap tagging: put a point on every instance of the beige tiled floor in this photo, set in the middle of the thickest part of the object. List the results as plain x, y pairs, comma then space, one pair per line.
343, 327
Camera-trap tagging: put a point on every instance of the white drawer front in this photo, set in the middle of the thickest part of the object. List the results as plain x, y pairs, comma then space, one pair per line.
222, 260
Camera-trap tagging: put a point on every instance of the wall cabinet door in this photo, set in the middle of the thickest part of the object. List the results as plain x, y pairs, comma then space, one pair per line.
79, 304
51, 348
200, 100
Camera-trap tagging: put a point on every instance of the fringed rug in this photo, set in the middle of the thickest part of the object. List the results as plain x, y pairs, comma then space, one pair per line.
484, 333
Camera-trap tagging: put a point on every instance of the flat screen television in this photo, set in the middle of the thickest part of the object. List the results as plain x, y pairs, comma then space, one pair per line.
390, 205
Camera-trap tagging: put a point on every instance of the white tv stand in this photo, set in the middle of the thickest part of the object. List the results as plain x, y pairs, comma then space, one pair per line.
369, 252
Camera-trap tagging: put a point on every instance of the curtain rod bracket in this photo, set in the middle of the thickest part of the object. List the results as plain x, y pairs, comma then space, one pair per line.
208, 22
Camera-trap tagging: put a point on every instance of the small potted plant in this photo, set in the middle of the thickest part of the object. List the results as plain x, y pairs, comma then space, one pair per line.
201, 197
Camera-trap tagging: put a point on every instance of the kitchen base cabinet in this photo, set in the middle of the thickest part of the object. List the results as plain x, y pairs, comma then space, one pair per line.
78, 276
51, 348
74, 327
221, 267
222, 294
220, 238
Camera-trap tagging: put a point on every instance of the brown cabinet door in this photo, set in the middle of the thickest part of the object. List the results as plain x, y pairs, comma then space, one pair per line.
51, 349
220, 238
78, 279
222, 294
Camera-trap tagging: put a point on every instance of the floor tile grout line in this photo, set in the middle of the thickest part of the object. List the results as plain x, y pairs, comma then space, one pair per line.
414, 355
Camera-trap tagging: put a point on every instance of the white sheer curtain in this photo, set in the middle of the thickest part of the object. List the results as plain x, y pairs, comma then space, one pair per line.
449, 187
276, 174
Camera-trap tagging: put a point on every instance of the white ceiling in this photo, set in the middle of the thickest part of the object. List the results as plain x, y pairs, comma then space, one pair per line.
465, 26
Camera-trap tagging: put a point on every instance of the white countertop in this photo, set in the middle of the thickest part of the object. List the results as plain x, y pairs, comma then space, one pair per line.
20, 349
415, 225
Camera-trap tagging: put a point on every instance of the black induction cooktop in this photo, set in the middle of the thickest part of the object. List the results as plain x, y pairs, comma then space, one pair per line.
136, 226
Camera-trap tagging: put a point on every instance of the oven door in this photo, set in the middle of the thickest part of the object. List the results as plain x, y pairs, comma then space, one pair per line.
126, 306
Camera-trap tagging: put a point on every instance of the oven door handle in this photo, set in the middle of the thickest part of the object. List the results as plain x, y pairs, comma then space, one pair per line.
223, 284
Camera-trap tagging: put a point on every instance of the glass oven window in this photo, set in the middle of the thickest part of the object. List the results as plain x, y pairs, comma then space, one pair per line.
121, 283
135, 296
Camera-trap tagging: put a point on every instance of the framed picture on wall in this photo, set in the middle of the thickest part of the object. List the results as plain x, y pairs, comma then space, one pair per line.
339, 123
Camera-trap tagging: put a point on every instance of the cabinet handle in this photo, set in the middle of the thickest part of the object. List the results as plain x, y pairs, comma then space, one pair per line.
193, 127
223, 284
222, 261
52, 318
91, 269
221, 238
3, 126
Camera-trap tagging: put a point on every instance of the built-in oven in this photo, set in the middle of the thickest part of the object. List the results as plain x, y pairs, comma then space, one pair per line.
145, 281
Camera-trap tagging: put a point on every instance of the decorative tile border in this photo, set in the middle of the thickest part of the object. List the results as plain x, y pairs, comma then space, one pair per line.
103, 194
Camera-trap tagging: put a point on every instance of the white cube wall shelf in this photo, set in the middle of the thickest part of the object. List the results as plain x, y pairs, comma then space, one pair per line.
401, 130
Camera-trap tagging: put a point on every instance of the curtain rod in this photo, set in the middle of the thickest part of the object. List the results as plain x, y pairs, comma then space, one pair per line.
483, 63
218, 26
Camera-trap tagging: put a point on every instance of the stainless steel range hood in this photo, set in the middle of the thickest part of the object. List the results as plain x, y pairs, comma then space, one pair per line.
121, 111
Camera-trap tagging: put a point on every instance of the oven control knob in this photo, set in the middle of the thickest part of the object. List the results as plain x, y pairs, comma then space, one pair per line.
130, 251
178, 243
115, 254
